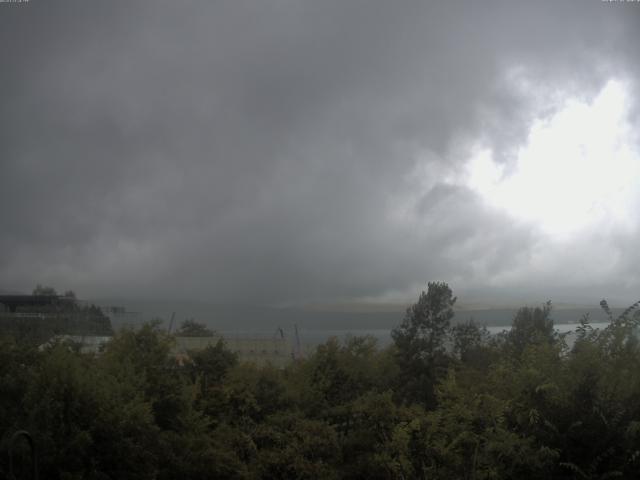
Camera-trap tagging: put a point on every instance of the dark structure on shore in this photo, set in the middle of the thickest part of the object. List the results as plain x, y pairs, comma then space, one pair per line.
15, 303
36, 318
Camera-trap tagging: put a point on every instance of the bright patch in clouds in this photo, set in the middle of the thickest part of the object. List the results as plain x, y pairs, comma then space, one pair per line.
578, 168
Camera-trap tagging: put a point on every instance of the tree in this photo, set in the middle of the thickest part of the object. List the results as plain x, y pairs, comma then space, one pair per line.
44, 291
421, 342
469, 341
87, 423
143, 358
471, 436
292, 446
377, 444
212, 363
191, 328
531, 326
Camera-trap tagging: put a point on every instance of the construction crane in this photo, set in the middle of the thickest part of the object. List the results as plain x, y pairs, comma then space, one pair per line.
297, 349
279, 331
170, 328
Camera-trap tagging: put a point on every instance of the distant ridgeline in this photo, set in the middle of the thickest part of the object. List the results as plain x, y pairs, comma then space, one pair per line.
36, 318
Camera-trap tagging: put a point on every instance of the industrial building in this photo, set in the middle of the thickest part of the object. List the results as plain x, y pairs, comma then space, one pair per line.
28, 303
276, 351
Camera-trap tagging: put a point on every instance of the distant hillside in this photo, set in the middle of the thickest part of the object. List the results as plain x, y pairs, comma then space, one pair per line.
267, 319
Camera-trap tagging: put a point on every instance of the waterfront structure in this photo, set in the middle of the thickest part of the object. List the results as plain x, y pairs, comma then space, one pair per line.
90, 344
16, 302
276, 351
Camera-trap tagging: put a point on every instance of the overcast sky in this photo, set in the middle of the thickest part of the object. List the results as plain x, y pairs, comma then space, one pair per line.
320, 151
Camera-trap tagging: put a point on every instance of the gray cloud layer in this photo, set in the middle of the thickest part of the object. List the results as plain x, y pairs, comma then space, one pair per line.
288, 150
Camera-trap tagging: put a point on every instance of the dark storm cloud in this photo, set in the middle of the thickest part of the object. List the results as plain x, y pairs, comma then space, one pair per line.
269, 150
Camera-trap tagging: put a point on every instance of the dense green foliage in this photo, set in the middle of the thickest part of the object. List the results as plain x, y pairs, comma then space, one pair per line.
443, 402
191, 328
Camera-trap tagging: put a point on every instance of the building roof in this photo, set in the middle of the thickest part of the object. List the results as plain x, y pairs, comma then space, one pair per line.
88, 343
13, 301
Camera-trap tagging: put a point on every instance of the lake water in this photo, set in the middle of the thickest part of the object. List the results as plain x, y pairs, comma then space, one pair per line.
316, 327
314, 337
227, 318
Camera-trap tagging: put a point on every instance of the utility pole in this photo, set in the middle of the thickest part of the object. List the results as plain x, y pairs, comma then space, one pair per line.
297, 352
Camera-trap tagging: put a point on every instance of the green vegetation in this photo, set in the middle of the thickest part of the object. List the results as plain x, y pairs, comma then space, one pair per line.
191, 328
44, 291
443, 402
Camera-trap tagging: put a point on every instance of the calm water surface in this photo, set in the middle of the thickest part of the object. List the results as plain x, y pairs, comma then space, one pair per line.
315, 337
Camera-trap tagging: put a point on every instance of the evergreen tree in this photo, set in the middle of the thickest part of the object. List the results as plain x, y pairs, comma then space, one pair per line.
421, 342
